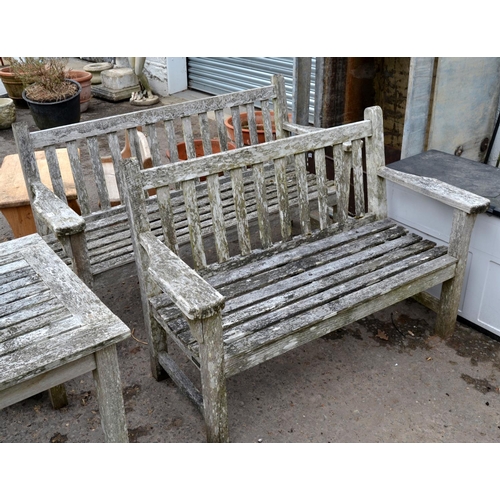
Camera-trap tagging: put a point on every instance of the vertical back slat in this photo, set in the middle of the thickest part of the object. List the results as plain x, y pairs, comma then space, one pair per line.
95, 159
280, 106
357, 169
302, 193
321, 179
252, 124
205, 133
342, 183
116, 156
282, 195
193, 218
262, 207
167, 218
238, 135
55, 172
240, 211
135, 145
375, 158
187, 130
266, 120
154, 147
221, 129
76, 168
171, 141
218, 224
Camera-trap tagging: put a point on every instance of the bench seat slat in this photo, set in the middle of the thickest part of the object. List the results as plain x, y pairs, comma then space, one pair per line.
266, 302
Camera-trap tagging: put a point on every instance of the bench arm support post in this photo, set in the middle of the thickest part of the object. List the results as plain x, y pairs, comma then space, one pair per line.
67, 225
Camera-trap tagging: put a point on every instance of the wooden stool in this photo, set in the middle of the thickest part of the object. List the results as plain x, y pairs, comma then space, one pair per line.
14, 199
53, 329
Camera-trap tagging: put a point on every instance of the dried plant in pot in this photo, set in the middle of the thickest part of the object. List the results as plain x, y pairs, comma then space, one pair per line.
53, 99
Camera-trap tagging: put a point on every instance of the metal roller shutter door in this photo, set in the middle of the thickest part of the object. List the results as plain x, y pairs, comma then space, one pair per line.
221, 75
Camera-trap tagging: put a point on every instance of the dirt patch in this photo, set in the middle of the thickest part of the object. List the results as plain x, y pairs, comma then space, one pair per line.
478, 347
484, 386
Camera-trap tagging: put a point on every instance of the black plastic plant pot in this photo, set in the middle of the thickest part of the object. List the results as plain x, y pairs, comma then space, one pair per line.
55, 114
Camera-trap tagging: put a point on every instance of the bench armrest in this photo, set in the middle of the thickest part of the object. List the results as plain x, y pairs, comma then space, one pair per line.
61, 219
191, 293
446, 193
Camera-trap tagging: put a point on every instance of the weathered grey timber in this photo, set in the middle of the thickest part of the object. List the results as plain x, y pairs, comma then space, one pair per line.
280, 289
99, 239
53, 329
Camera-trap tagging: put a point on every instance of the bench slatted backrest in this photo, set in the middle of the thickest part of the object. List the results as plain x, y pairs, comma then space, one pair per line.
255, 168
89, 142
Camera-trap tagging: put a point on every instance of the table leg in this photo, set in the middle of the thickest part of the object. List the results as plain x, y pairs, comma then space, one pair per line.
109, 394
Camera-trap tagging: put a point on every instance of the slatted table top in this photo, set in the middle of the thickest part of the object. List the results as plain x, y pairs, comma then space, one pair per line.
13, 192
48, 317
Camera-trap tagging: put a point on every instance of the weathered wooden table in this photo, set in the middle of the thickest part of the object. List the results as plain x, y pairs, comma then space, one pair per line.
14, 199
53, 329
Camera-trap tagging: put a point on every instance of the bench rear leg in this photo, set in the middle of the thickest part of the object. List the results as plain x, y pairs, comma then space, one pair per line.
58, 396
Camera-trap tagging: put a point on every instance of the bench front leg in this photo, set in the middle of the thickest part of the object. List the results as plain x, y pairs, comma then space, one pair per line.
208, 331
460, 236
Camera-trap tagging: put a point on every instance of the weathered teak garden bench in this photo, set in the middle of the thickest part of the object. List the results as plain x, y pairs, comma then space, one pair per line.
233, 309
100, 240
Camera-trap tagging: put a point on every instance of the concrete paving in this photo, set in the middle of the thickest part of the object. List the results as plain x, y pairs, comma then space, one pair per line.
385, 379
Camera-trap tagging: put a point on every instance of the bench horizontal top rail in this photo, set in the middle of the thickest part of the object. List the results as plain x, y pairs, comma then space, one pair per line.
261, 153
119, 123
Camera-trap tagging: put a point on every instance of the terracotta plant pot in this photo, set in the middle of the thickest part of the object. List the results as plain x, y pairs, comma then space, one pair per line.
246, 131
13, 86
198, 146
84, 78
55, 114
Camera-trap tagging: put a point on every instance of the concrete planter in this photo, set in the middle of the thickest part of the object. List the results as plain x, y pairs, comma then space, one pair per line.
7, 112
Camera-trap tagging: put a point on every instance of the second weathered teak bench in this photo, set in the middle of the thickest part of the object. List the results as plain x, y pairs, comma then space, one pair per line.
99, 241
276, 291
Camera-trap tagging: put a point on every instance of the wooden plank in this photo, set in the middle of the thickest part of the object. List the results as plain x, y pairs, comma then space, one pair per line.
301, 90
418, 101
